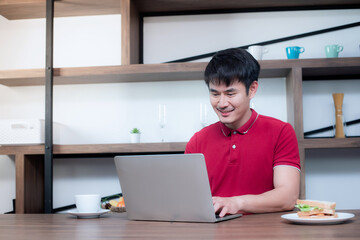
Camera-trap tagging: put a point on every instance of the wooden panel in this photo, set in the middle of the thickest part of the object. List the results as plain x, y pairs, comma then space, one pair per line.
331, 143
95, 148
157, 147
26, 149
25, 9
294, 101
34, 184
129, 33
331, 68
295, 116
22, 77
302, 174
120, 148
20, 183
203, 5
172, 72
29, 182
106, 74
333, 73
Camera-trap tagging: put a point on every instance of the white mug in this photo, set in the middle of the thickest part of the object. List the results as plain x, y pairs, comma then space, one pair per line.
257, 51
87, 203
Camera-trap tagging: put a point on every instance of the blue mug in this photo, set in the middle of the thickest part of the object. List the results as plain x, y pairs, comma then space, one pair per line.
293, 52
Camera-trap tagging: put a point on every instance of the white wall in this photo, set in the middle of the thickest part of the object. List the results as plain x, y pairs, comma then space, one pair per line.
319, 110
7, 183
104, 113
333, 174
177, 37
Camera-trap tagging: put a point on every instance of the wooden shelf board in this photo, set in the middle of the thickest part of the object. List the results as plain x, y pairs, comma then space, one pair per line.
22, 149
105, 74
22, 77
317, 143
157, 147
159, 6
332, 68
120, 148
26, 9
96, 148
175, 72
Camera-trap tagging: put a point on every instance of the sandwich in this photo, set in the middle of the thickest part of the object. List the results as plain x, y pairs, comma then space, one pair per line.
315, 209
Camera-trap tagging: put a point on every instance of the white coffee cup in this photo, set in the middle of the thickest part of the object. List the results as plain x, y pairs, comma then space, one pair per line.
87, 203
257, 51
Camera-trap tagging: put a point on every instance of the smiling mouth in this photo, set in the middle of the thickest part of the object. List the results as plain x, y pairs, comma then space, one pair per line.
225, 113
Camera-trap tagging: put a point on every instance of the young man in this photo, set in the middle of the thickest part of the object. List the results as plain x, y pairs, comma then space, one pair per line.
252, 160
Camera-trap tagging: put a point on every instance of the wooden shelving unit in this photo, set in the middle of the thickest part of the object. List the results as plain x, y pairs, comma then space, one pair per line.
29, 159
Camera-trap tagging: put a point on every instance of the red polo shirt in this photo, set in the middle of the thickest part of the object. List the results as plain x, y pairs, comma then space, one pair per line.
239, 163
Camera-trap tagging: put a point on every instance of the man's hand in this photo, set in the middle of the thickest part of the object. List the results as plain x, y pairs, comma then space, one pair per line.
225, 205
281, 198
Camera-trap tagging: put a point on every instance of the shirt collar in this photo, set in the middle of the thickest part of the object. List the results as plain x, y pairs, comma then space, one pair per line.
227, 131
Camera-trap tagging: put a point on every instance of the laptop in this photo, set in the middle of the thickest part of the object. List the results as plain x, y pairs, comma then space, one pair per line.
169, 187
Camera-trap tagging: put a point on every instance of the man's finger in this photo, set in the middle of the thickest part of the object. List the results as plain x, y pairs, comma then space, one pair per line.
223, 212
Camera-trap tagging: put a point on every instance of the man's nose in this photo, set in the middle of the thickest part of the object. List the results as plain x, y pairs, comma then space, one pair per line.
223, 102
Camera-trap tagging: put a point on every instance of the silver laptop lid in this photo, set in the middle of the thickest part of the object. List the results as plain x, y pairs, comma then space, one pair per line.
166, 187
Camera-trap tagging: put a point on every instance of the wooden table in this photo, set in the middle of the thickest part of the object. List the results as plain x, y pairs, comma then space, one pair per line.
116, 226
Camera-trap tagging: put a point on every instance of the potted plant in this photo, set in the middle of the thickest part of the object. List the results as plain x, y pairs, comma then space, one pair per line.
135, 135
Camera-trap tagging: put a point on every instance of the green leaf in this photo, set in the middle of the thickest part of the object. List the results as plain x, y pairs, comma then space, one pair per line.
318, 208
306, 208
135, 130
303, 207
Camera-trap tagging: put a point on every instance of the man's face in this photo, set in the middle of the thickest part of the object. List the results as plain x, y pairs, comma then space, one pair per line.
232, 104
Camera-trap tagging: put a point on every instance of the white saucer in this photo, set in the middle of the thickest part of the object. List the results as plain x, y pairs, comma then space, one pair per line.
342, 217
75, 212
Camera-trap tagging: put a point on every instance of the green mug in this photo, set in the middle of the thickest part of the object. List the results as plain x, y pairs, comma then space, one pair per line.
332, 51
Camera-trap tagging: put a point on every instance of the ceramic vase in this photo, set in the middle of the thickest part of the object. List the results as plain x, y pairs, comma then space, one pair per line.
135, 137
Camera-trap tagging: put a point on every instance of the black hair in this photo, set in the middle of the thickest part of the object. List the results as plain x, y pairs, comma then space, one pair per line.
230, 65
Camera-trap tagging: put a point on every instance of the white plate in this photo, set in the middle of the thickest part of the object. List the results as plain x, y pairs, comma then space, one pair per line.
88, 214
342, 217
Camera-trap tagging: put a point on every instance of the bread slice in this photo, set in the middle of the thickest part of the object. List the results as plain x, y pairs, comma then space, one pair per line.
315, 203
320, 216
317, 212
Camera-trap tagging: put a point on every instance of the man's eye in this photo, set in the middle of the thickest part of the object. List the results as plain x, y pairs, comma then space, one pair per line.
230, 94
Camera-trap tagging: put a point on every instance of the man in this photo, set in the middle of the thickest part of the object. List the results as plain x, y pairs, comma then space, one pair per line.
252, 160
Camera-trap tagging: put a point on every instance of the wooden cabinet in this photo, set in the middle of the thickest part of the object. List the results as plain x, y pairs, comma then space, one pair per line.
29, 159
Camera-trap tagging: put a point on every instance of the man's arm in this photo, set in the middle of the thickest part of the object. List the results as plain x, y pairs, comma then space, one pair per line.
281, 198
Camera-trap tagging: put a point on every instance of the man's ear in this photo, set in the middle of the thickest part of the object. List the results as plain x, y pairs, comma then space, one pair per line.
253, 89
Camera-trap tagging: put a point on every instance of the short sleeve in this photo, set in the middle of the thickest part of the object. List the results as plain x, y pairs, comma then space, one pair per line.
287, 150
